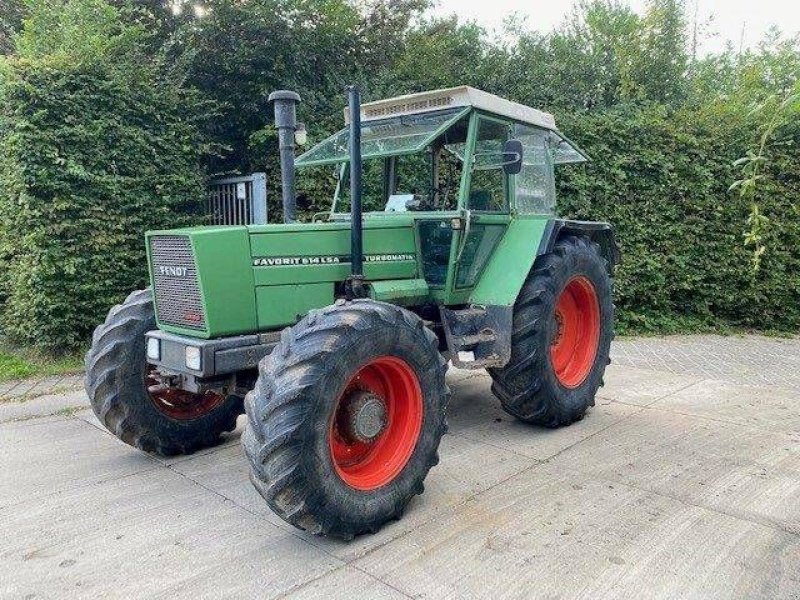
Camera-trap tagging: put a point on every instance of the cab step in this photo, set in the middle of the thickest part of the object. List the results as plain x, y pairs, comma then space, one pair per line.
478, 336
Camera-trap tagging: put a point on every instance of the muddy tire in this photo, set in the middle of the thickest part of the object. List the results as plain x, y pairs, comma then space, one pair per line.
562, 331
117, 386
345, 420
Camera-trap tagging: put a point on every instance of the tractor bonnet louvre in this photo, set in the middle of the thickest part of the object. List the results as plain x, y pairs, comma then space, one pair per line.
177, 295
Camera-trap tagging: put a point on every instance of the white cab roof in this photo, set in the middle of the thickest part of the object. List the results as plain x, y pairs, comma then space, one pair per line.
453, 97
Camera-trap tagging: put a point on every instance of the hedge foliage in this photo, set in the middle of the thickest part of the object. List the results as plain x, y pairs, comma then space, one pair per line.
109, 111
662, 179
91, 156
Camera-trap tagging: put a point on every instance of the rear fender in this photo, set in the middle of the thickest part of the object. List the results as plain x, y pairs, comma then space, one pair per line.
599, 232
524, 240
503, 278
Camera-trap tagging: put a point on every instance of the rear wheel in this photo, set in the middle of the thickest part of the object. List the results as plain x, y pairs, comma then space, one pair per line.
126, 397
345, 420
562, 331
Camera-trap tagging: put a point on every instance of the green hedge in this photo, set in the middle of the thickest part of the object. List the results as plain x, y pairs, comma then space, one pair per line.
91, 156
662, 179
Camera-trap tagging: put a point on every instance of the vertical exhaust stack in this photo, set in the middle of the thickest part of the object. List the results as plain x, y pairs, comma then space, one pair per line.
286, 123
354, 287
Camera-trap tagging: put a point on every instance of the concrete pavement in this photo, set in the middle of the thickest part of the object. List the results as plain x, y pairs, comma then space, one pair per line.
676, 485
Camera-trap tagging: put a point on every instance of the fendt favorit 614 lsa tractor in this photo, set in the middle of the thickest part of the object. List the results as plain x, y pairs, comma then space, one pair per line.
334, 335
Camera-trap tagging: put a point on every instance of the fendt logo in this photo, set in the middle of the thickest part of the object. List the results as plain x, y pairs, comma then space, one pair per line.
173, 271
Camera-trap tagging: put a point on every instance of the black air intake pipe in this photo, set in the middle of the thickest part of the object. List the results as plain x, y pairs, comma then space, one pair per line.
286, 123
356, 225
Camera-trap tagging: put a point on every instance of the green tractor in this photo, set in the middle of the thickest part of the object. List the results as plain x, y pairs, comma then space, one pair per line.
334, 336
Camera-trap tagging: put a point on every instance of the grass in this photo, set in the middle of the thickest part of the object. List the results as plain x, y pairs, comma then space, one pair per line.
17, 363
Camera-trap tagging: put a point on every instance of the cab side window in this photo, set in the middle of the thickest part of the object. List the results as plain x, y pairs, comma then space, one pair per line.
535, 185
488, 182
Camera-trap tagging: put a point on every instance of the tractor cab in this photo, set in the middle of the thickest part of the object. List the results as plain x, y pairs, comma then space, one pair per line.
449, 150
460, 162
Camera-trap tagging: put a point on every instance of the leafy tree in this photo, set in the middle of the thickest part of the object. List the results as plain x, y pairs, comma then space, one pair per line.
107, 103
77, 31
778, 112
656, 68
11, 14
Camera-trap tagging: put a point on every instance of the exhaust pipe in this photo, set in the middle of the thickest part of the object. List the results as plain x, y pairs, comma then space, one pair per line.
286, 123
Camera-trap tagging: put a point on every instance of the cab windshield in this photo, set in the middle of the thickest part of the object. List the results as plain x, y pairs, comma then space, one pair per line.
405, 134
410, 163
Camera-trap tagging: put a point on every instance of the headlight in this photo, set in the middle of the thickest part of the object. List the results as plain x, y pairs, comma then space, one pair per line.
193, 358
153, 348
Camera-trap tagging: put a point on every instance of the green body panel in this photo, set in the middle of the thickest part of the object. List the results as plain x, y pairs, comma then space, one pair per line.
511, 262
281, 305
407, 292
317, 257
258, 278
261, 278
225, 279
332, 240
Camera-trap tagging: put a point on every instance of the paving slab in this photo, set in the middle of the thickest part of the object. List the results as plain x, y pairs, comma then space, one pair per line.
743, 359
147, 535
642, 387
39, 386
45, 385
678, 484
542, 537
19, 409
542, 443
20, 388
466, 468
743, 471
768, 407
42, 458
346, 583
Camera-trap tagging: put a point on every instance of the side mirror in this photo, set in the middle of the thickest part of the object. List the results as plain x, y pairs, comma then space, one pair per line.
512, 157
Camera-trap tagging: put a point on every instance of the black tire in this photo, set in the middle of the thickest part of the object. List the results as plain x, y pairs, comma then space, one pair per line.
528, 387
291, 410
115, 384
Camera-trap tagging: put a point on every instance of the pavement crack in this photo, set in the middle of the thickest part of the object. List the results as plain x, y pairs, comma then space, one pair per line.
296, 588
601, 396
259, 516
701, 417
80, 486
472, 497
738, 515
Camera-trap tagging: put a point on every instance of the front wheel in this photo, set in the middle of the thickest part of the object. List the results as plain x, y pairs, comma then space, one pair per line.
345, 420
561, 336
126, 398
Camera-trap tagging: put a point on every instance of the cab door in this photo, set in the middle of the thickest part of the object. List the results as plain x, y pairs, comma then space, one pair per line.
484, 205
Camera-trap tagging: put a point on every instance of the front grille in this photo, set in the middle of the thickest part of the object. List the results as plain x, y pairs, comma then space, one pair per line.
177, 289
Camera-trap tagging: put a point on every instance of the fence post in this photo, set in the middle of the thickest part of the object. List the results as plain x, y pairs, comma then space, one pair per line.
259, 199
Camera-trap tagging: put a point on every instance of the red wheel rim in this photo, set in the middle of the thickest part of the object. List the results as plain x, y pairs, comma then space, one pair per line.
179, 404
574, 346
367, 464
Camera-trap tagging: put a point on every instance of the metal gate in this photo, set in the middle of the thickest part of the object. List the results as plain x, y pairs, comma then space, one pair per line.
238, 200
